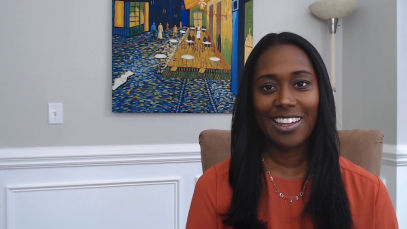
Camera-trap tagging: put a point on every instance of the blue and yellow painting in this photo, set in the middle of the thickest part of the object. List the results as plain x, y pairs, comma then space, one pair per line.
179, 56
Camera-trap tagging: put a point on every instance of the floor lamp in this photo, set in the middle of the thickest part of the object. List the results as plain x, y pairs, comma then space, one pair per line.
332, 11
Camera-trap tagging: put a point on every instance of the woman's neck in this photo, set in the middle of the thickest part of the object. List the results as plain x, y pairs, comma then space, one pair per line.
286, 163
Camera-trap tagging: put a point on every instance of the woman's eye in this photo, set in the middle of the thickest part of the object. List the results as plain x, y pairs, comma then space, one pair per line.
301, 84
268, 87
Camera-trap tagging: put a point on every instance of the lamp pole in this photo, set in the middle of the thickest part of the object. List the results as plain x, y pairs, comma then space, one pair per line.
333, 24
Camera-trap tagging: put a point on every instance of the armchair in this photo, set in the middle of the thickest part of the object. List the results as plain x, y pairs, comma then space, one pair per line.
362, 147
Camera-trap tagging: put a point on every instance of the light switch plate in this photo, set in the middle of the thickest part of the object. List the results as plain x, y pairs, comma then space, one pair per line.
55, 113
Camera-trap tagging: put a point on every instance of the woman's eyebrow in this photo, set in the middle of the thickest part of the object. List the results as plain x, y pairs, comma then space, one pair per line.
301, 72
269, 76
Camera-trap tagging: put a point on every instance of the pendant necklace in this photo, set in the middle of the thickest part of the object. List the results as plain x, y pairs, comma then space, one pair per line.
286, 198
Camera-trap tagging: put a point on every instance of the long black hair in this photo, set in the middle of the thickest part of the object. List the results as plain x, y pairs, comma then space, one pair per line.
328, 205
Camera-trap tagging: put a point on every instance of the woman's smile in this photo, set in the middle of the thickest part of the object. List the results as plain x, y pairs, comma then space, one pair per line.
286, 124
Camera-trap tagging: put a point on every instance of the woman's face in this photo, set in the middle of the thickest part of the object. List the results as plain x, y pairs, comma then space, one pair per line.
285, 96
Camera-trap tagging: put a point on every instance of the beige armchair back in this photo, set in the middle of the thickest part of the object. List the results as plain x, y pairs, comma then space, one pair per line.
362, 147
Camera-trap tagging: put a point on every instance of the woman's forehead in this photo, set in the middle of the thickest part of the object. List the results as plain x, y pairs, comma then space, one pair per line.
285, 53
283, 58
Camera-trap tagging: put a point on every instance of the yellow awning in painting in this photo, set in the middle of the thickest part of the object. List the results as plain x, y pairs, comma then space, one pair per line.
189, 4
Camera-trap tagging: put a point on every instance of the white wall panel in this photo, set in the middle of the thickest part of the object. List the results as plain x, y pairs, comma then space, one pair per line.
401, 209
133, 204
394, 168
104, 187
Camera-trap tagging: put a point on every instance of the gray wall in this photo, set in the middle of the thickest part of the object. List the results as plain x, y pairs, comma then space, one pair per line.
401, 72
370, 68
60, 51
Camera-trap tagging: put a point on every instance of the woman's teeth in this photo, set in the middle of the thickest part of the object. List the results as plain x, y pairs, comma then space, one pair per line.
286, 120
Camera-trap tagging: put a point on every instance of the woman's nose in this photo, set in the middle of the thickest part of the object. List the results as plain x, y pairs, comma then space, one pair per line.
285, 98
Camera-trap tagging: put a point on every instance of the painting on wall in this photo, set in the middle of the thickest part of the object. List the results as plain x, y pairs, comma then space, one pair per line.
179, 56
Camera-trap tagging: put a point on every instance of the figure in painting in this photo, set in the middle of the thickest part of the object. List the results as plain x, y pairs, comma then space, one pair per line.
167, 27
153, 30
180, 24
219, 46
205, 39
248, 45
175, 31
189, 37
209, 39
160, 31
198, 33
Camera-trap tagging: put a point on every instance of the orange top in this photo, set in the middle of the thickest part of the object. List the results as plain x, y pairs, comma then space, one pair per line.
369, 200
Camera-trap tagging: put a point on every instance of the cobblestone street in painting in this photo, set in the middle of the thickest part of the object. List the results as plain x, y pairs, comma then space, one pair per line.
147, 91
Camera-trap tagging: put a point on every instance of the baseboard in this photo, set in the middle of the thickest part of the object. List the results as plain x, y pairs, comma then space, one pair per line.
395, 155
23, 158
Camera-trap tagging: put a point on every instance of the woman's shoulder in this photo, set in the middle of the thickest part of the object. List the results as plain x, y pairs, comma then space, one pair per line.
215, 180
214, 186
358, 181
368, 197
349, 169
223, 167
215, 172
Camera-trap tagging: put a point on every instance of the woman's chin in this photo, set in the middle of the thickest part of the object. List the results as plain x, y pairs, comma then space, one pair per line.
287, 142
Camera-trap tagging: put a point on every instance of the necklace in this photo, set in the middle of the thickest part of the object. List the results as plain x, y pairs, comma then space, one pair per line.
290, 199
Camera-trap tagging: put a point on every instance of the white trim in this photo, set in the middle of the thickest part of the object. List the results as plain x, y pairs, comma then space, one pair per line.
395, 155
14, 189
47, 157
27, 158
197, 178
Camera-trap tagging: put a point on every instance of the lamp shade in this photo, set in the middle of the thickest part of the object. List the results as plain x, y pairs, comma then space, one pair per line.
326, 9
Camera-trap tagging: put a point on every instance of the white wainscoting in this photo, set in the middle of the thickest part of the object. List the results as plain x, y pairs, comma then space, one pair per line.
104, 187
393, 174
99, 187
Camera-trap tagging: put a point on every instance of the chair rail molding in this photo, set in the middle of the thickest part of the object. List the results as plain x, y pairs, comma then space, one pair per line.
395, 155
50, 157
23, 158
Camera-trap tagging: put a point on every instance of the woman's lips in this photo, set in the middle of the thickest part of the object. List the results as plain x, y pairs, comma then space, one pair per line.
286, 127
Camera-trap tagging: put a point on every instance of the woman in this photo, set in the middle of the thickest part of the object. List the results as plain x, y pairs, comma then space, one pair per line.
285, 170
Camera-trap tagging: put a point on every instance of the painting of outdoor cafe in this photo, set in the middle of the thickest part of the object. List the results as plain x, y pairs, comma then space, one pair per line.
179, 56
